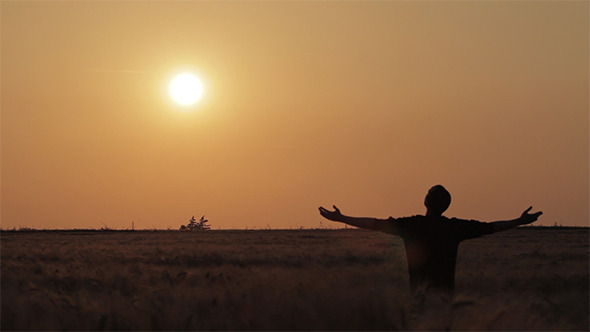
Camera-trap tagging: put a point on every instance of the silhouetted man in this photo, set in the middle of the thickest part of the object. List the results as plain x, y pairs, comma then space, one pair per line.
432, 240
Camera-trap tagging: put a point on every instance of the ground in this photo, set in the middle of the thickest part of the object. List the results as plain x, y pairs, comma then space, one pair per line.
523, 279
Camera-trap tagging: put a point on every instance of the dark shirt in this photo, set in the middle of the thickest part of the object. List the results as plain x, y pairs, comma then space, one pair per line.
431, 246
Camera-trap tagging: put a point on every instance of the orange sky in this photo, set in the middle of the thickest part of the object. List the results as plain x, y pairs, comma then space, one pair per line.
360, 104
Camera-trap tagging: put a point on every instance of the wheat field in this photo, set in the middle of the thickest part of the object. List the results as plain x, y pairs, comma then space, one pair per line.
523, 279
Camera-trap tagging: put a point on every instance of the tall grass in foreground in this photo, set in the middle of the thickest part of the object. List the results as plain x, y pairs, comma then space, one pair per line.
523, 279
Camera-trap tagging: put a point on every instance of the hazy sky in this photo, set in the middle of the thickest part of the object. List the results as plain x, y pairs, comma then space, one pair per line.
360, 104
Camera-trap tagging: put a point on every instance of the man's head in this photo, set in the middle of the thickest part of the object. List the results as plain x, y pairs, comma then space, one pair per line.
437, 200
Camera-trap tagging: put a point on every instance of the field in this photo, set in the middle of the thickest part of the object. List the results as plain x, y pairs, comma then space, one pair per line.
522, 279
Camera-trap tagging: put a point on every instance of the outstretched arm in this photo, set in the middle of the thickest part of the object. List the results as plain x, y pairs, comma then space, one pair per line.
525, 218
366, 223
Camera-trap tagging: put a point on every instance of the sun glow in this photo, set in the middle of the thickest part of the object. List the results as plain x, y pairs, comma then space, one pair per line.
186, 89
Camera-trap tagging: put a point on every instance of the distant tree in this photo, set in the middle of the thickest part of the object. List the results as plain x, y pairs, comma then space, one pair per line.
203, 223
192, 225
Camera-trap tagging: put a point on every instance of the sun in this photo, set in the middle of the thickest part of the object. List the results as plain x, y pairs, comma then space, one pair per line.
186, 89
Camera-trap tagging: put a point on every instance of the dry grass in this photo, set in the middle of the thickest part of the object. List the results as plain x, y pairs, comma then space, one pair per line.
524, 279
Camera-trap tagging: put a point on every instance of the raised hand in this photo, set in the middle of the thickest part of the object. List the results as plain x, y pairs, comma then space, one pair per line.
331, 215
527, 218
